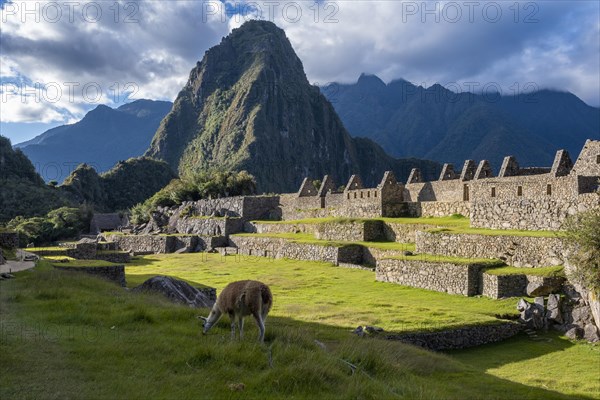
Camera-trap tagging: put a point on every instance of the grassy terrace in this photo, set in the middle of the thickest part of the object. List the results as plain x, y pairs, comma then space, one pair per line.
85, 263
451, 224
321, 292
87, 338
496, 232
452, 221
540, 271
434, 258
308, 238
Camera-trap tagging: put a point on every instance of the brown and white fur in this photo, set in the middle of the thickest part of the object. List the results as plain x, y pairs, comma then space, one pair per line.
238, 300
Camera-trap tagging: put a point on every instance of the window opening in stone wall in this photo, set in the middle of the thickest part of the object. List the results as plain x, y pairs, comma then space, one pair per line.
375, 194
466, 193
493, 192
520, 191
549, 190
598, 159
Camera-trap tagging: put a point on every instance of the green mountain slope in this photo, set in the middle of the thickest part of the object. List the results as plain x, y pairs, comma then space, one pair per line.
101, 139
438, 124
249, 106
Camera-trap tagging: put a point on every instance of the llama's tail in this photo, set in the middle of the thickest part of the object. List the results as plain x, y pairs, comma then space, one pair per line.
267, 298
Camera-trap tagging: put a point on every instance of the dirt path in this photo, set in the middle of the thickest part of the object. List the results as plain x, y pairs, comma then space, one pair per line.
15, 266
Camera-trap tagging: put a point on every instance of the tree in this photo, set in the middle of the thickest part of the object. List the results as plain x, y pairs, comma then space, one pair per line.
583, 233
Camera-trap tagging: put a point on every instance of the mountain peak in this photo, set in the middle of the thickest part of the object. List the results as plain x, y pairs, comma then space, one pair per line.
248, 106
369, 80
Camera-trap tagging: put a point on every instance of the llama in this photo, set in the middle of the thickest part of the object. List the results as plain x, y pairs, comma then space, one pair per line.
240, 299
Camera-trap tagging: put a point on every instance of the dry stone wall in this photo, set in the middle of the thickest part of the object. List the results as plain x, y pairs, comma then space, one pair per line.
460, 338
162, 244
281, 248
441, 277
531, 214
356, 231
499, 286
114, 273
258, 227
209, 226
519, 251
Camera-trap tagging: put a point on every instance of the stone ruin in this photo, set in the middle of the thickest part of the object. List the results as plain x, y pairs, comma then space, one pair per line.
534, 198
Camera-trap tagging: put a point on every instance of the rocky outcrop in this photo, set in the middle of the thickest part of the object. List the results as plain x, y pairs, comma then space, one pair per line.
179, 291
571, 315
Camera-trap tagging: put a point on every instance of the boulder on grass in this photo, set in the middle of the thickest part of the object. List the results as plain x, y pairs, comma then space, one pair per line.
179, 291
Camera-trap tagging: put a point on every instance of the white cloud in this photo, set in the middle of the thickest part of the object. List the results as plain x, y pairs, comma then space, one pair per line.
153, 45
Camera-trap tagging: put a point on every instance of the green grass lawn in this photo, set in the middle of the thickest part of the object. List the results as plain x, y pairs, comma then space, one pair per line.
321, 292
308, 238
550, 363
540, 271
46, 249
436, 258
69, 335
85, 263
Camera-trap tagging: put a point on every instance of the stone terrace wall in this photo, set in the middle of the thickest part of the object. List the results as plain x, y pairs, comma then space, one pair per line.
162, 244
536, 214
441, 277
460, 338
520, 251
443, 208
257, 227
280, 248
356, 231
499, 286
404, 233
112, 273
247, 207
9, 240
209, 226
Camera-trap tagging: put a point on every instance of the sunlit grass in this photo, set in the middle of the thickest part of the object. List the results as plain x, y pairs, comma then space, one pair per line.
68, 335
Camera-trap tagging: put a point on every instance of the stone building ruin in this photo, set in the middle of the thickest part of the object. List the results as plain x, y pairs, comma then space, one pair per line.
534, 198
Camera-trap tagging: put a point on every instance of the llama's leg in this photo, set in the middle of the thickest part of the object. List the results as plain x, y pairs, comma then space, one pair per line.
241, 326
261, 327
232, 318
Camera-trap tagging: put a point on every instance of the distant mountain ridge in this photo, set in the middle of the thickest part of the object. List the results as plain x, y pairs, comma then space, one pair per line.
102, 138
249, 106
438, 124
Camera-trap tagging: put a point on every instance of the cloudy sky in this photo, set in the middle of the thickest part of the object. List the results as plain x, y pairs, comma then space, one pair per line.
59, 59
